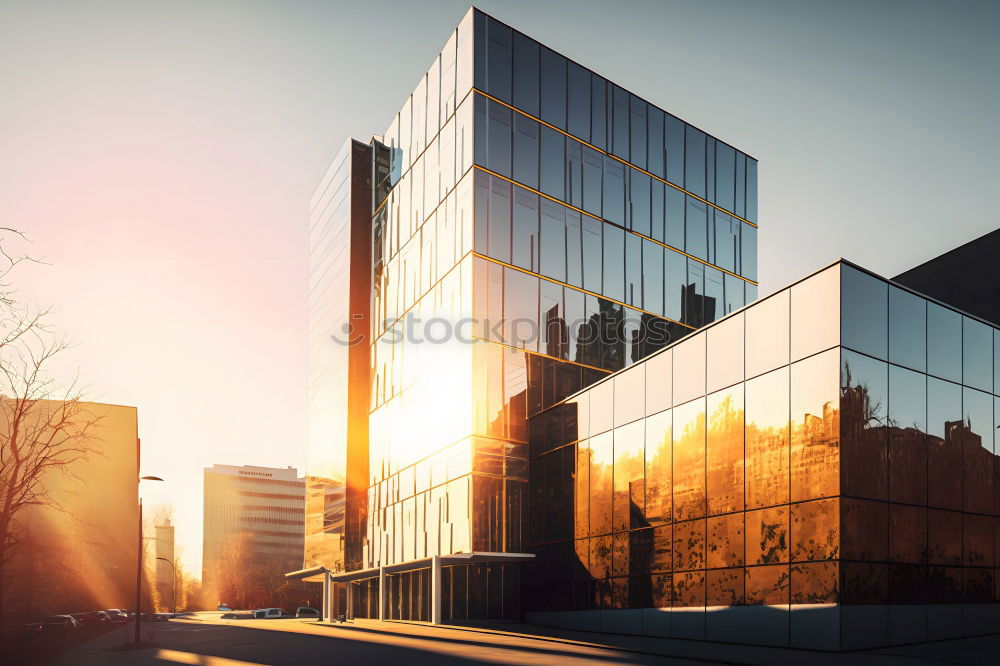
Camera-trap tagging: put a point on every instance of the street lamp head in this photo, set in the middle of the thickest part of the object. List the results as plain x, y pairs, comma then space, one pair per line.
150, 478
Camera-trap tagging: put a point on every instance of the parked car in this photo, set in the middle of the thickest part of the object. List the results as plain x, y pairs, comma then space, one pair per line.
92, 618
306, 611
31, 628
117, 616
224, 607
60, 623
268, 613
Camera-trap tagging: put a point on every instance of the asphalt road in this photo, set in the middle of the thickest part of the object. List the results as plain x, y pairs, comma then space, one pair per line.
210, 641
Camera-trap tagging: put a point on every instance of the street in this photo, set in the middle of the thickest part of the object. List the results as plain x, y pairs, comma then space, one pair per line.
208, 640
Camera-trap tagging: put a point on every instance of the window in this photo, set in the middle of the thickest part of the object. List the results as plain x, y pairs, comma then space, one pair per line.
553, 230
574, 173
741, 185
637, 131
614, 191
525, 151
748, 252
499, 224
574, 252
639, 215
654, 142
652, 277
710, 168
598, 112
593, 174
553, 86
520, 310
725, 176
907, 329
734, 294
525, 74
525, 250
674, 217
578, 97
815, 397
725, 354
977, 354
751, 190
944, 342
694, 294
674, 284
696, 225
656, 228
592, 248
815, 317
714, 296
553, 163
614, 263
694, 163
499, 132
498, 60
864, 312
551, 319
633, 270
727, 242
619, 122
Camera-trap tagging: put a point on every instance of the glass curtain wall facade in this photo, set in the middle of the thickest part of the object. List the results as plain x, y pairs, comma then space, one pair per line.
815, 470
533, 228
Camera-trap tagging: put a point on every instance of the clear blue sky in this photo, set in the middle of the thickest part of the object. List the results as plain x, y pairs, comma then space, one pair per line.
161, 156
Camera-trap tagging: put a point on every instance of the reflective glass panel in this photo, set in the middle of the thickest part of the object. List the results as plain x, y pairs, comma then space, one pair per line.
864, 386
629, 390
525, 168
578, 97
553, 240
658, 460
725, 353
767, 443
629, 477
724, 457
674, 284
553, 86
907, 329
977, 354
552, 176
689, 460
944, 446
525, 248
696, 225
614, 262
674, 216
525, 84
815, 313
767, 326
748, 252
907, 439
864, 316
694, 164
652, 277
674, 129
659, 377
592, 252
944, 342
689, 368
601, 464
815, 414
977, 433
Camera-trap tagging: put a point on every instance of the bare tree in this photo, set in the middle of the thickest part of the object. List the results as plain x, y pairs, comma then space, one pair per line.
44, 429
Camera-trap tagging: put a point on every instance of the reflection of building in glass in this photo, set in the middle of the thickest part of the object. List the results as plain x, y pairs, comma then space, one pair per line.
252, 514
579, 226
78, 543
815, 470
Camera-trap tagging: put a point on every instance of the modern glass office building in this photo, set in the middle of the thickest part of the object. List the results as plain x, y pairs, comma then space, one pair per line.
815, 470
533, 227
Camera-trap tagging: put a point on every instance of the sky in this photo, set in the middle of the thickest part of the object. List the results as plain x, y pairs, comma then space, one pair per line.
160, 157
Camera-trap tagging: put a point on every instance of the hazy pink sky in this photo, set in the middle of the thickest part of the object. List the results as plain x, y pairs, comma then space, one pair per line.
161, 157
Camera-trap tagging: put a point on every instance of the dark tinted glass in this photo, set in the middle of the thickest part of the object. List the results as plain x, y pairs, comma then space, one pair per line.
693, 296
725, 175
525, 167
574, 251
499, 129
696, 225
578, 96
654, 142
619, 122
637, 132
741, 185
944, 463
657, 229
907, 443
907, 329
499, 230
674, 129
734, 294
714, 295
674, 282
977, 354
864, 312
592, 253
751, 190
553, 163
525, 246
614, 263
727, 242
498, 60
553, 230
639, 216
598, 112
996, 362
864, 393
525, 93
674, 214
553, 85
748, 252
652, 277
520, 309
694, 163
614, 191
944, 342
593, 176
633, 270
574, 173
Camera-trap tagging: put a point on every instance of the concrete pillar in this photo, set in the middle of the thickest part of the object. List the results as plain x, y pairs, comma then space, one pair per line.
326, 612
436, 589
349, 611
383, 596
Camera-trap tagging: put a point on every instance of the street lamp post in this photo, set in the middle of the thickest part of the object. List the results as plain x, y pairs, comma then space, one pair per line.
173, 588
138, 566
